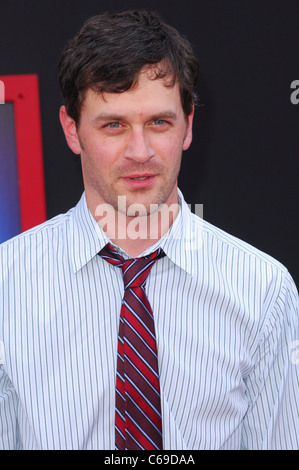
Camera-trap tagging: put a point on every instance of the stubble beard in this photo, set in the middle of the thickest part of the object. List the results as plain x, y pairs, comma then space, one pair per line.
135, 203
139, 202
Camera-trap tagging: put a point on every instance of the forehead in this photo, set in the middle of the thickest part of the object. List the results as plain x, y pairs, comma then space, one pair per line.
149, 95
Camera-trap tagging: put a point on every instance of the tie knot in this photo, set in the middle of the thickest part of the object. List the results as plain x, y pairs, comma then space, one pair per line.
135, 270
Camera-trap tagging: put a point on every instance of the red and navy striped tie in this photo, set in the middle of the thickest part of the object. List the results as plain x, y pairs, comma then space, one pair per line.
138, 423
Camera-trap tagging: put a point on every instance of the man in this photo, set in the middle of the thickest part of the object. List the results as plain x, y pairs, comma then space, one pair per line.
224, 316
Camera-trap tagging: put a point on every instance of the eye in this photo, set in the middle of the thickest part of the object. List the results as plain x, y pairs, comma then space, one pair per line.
158, 122
113, 125
113, 128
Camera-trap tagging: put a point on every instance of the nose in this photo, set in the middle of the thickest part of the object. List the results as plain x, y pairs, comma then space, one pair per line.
138, 146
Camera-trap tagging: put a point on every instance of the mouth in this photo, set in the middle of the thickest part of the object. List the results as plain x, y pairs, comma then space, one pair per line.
139, 177
139, 181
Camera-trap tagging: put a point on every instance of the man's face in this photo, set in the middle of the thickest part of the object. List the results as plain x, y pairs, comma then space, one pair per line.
131, 144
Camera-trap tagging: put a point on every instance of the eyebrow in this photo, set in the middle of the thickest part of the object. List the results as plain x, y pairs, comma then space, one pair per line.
104, 117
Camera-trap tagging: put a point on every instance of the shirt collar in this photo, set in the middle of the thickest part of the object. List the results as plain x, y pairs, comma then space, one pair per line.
179, 242
87, 238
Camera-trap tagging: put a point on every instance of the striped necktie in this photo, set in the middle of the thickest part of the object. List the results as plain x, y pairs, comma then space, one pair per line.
138, 423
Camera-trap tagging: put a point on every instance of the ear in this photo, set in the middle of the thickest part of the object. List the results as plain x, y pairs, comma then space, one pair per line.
70, 130
188, 136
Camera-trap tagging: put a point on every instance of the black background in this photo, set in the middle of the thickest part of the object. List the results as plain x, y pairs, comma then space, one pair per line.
243, 162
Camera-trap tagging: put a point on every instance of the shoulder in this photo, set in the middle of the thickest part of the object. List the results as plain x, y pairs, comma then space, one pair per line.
52, 225
217, 240
241, 265
250, 275
38, 239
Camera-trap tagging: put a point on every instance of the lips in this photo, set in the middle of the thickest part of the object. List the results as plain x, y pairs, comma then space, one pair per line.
139, 176
139, 180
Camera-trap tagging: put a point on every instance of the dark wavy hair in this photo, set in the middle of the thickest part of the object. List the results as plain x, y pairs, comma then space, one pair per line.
109, 51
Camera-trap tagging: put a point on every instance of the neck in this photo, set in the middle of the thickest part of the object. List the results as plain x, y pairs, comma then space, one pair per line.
135, 234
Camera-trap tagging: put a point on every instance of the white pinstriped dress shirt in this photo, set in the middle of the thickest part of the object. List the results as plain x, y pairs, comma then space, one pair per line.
227, 330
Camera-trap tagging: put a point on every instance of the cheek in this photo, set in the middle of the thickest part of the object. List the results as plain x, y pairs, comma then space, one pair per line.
102, 154
171, 150
172, 142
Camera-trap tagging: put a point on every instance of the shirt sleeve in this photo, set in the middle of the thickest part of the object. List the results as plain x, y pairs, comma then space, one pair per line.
272, 420
8, 414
